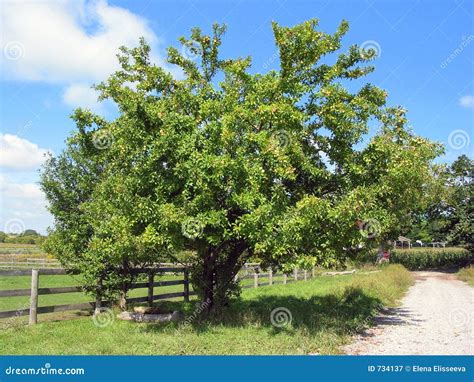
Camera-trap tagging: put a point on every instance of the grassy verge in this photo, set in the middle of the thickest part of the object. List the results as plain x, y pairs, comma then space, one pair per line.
325, 312
467, 275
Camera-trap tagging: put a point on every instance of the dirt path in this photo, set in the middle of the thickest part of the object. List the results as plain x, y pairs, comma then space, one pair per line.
435, 317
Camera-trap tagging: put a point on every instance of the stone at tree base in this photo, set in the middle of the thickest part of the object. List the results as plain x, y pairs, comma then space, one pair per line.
127, 316
339, 273
139, 317
147, 310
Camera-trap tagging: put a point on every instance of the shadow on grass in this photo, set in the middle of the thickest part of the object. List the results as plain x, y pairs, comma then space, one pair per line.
341, 313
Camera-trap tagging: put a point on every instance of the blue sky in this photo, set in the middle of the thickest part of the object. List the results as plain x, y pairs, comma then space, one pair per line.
52, 51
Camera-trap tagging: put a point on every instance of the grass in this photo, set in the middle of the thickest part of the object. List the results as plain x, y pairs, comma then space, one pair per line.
467, 275
325, 311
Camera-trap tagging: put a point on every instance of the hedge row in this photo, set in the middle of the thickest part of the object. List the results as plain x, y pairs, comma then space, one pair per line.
428, 258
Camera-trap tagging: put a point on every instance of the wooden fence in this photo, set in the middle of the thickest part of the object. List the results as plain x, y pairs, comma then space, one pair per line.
33, 310
29, 263
248, 272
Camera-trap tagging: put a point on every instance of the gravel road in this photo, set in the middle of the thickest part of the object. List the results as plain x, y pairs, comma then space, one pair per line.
435, 317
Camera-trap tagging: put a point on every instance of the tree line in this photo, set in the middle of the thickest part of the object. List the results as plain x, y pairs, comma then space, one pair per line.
29, 236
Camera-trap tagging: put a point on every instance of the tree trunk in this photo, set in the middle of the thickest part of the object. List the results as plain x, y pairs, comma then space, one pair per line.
123, 300
213, 274
220, 265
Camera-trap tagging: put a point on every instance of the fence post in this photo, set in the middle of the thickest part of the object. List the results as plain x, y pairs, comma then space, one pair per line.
186, 285
284, 278
255, 280
151, 281
270, 277
305, 275
295, 274
312, 273
34, 297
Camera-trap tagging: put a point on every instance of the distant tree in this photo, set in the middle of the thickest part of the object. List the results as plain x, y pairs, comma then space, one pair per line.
450, 217
29, 232
29, 236
232, 164
460, 209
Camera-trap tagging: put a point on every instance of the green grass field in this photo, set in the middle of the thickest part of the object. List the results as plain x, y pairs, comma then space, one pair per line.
325, 312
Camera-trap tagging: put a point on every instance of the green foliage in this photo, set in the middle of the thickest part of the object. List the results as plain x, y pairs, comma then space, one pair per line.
450, 216
461, 215
431, 258
265, 165
29, 236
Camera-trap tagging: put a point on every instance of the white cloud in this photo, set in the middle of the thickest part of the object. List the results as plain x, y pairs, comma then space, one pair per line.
80, 95
22, 191
23, 206
52, 40
71, 43
21, 154
467, 101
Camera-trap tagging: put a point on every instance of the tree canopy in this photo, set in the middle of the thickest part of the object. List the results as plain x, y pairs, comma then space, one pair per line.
231, 164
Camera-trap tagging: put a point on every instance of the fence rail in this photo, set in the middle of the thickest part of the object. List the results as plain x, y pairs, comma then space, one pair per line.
29, 263
33, 309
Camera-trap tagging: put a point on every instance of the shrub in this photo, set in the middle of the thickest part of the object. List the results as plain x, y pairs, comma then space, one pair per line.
467, 275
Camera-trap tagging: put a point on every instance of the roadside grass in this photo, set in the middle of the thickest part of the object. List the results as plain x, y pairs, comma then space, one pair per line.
467, 275
325, 312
